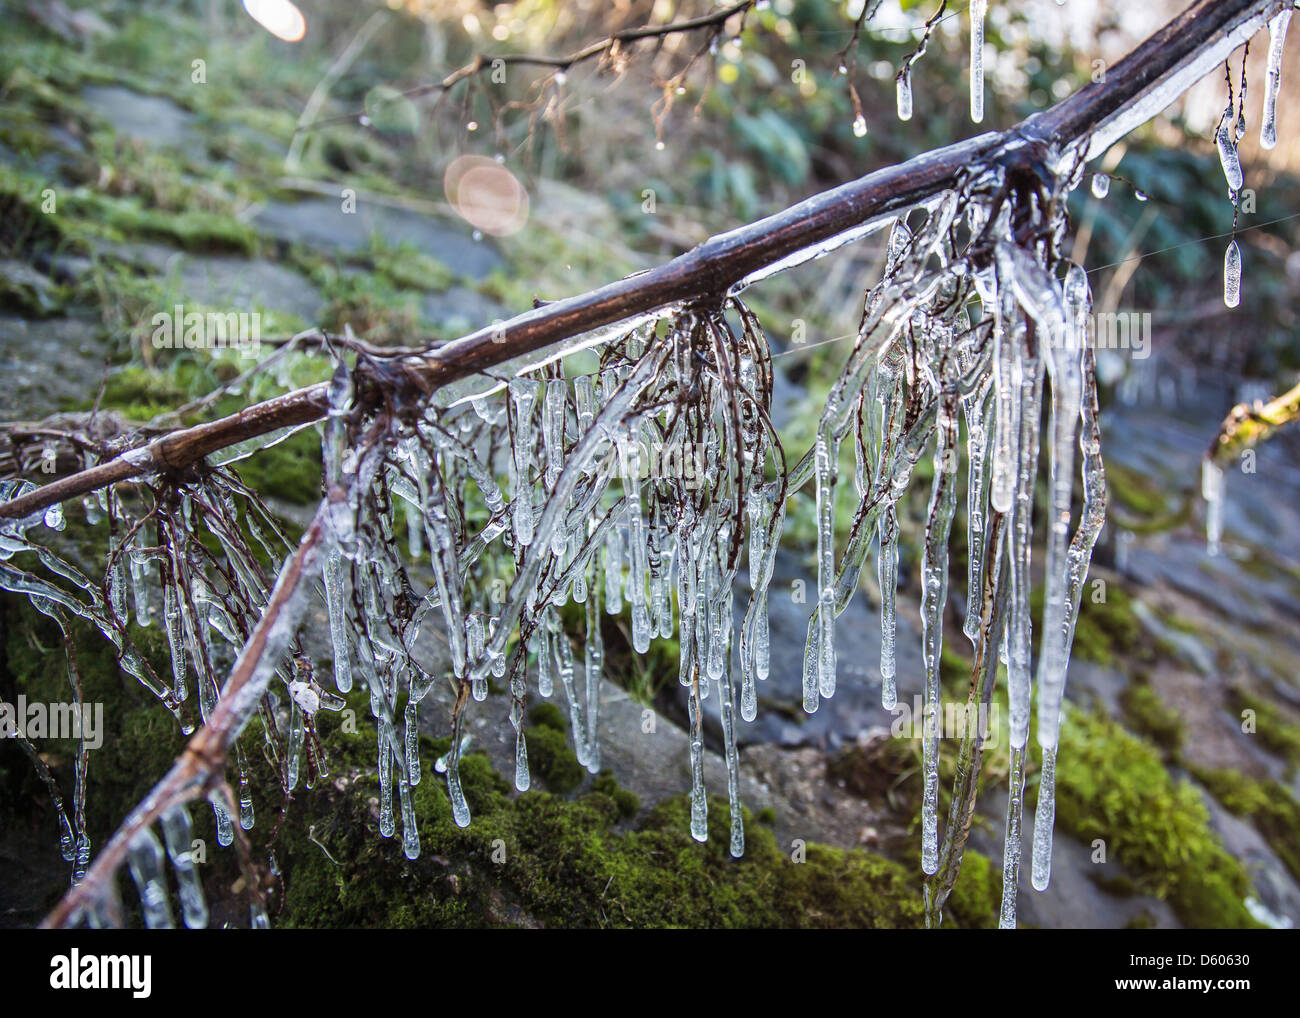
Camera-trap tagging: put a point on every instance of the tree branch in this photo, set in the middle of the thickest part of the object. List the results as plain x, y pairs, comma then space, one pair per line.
1134, 91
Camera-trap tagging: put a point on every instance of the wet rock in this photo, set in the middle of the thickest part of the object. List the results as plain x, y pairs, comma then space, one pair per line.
459, 310
153, 119
47, 364
1078, 896
855, 708
323, 225
225, 281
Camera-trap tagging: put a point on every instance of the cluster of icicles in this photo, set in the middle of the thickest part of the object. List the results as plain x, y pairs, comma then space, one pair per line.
1228, 135
968, 324
208, 596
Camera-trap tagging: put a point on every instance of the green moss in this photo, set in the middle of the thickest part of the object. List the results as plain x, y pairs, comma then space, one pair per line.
1148, 715
1133, 490
628, 802
1274, 729
1269, 805
193, 229
976, 898
538, 859
547, 715
140, 739
550, 758
289, 470
1113, 786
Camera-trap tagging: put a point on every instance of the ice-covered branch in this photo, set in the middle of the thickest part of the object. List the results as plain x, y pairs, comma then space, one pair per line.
1135, 90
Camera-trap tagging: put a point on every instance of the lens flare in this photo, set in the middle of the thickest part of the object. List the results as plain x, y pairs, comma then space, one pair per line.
486, 195
279, 17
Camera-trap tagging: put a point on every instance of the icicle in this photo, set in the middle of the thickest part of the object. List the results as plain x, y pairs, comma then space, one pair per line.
557, 395
459, 807
475, 638
175, 639
225, 829
904, 82
1011, 844
820, 680
593, 667
524, 393
178, 833
1044, 819
564, 664
1064, 361
976, 406
518, 696
411, 741
637, 568
726, 693
545, 659
387, 825
139, 581
978, 10
332, 575
613, 572
410, 831
1006, 422
1277, 28
1212, 490
146, 857
1232, 275
699, 803
934, 589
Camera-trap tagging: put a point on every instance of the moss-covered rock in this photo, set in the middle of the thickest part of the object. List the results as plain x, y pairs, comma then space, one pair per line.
1269, 805
1113, 786
1274, 728
1148, 715
538, 859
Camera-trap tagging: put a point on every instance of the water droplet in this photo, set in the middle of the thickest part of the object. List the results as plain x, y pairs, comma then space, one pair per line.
477, 234
472, 125
659, 146
1141, 195
561, 77
860, 126
1100, 185
363, 120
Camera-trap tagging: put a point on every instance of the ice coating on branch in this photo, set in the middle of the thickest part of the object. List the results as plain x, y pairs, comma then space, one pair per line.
1229, 157
1277, 29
